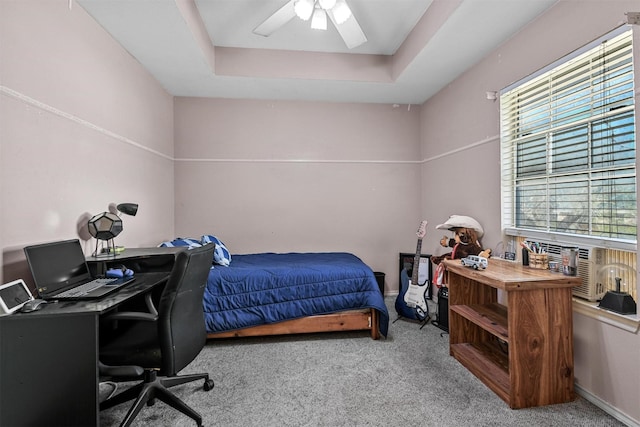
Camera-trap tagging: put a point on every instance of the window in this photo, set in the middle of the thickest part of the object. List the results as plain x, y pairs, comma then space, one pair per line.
568, 150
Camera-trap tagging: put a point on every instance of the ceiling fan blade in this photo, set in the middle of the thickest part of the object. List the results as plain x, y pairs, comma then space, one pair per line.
277, 20
349, 30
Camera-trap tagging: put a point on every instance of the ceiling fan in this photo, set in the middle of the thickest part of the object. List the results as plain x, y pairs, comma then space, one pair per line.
338, 12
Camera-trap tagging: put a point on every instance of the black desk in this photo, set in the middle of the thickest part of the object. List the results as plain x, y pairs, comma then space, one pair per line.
49, 359
140, 260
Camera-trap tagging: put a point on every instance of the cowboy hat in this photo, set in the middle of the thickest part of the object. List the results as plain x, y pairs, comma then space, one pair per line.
461, 221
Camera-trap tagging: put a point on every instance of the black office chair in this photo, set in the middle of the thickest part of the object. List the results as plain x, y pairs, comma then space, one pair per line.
162, 342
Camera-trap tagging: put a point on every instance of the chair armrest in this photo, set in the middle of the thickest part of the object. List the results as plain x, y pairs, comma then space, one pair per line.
152, 316
132, 315
150, 306
126, 371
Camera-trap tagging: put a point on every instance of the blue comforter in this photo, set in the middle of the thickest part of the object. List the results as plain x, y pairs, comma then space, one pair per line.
266, 288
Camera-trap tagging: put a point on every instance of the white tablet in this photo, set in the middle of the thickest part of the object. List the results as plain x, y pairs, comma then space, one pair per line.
13, 296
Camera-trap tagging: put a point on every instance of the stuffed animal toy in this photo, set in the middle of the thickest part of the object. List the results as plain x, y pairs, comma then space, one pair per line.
466, 239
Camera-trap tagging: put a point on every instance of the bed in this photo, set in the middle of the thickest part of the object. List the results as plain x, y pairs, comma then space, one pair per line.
290, 293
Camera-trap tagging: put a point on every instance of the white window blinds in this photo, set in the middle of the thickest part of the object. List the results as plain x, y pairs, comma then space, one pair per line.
568, 149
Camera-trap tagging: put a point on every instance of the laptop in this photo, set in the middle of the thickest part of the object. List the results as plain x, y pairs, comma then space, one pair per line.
60, 272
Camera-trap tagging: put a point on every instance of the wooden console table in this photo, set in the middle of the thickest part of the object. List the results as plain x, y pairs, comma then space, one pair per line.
522, 351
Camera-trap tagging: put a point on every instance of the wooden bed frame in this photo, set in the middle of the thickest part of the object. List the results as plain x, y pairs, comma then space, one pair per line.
352, 320
162, 259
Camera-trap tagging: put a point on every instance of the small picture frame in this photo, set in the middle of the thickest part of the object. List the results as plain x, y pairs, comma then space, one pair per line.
13, 296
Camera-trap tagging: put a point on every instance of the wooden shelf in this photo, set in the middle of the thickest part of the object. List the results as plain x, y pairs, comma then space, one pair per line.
522, 351
488, 362
491, 317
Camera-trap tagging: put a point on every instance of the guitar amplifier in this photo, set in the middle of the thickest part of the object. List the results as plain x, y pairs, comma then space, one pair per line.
442, 321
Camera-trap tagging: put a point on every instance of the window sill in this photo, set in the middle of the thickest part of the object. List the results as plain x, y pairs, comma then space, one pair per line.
627, 322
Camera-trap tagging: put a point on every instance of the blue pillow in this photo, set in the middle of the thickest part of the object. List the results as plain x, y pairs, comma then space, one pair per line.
189, 242
221, 254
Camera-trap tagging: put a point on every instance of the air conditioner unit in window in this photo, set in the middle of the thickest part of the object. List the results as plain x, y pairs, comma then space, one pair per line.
589, 262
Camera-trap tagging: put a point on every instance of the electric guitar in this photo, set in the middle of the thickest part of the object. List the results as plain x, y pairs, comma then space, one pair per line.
412, 299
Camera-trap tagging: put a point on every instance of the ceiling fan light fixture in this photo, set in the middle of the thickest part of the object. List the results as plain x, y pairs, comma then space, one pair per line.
327, 4
319, 20
304, 9
341, 11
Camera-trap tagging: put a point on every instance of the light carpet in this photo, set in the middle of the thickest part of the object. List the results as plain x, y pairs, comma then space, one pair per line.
348, 379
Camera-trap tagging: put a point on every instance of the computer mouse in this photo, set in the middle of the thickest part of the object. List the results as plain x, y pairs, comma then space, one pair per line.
33, 305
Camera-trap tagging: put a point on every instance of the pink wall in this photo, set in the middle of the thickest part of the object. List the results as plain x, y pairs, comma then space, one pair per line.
299, 176
460, 142
82, 125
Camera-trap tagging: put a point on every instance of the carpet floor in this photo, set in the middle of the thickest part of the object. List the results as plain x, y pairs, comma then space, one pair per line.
347, 379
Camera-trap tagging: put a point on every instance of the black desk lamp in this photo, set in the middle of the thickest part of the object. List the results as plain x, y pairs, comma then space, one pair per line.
107, 225
128, 208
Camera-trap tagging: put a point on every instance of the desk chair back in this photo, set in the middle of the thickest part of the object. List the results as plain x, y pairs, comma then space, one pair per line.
181, 324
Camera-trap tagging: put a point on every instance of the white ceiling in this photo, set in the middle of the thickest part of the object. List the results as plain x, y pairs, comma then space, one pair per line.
206, 48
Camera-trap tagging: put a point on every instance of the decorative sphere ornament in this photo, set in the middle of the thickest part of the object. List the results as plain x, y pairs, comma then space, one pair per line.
105, 226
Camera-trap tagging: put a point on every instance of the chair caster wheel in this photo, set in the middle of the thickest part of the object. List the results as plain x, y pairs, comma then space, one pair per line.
208, 385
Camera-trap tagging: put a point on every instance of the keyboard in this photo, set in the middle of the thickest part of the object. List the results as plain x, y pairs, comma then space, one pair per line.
86, 288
